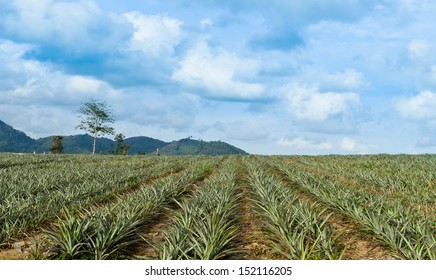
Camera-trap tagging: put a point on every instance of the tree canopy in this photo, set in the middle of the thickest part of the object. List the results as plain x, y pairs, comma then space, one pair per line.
95, 118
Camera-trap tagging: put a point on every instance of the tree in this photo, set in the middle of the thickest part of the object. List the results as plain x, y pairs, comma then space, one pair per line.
95, 118
120, 148
57, 147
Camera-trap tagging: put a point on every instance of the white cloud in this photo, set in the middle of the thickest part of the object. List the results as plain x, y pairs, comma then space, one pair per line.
46, 99
40, 82
39, 120
349, 79
159, 109
220, 74
308, 103
350, 145
84, 84
65, 22
304, 144
419, 107
155, 34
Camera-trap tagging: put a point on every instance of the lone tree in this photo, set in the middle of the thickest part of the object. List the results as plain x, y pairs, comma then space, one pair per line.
57, 147
95, 118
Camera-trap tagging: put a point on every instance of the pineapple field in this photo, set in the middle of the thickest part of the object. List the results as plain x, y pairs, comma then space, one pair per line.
232, 207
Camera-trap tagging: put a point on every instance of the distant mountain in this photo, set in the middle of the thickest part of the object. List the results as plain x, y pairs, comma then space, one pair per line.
12, 140
142, 144
76, 144
189, 146
82, 144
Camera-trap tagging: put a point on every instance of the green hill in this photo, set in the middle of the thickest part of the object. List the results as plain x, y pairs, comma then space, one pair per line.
189, 146
142, 144
12, 140
76, 144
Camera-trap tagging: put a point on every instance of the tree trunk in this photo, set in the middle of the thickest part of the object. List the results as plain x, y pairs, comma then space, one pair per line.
95, 139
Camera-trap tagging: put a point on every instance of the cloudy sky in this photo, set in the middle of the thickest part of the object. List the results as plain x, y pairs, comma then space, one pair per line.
269, 76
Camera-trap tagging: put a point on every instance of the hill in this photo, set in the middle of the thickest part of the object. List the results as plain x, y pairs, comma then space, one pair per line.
142, 144
199, 147
75, 144
12, 140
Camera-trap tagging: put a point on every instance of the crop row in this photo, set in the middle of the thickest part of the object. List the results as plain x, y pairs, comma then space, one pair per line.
410, 178
409, 235
205, 227
9, 159
105, 232
297, 229
30, 197
105, 207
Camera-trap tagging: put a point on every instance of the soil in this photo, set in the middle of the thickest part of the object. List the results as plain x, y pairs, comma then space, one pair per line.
253, 244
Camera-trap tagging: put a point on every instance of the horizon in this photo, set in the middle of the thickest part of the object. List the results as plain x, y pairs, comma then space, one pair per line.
208, 141
269, 77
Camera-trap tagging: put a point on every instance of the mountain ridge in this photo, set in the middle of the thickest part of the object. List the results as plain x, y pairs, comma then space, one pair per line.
13, 140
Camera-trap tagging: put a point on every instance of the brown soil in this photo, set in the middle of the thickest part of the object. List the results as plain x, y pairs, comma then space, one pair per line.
358, 246
253, 244
21, 250
12, 254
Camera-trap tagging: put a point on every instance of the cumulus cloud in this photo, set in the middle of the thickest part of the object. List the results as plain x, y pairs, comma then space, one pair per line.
286, 19
27, 81
419, 107
346, 80
301, 143
150, 107
219, 74
308, 103
350, 79
67, 23
78, 37
48, 99
154, 34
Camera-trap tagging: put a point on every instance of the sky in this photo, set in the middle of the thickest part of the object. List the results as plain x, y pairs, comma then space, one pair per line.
268, 76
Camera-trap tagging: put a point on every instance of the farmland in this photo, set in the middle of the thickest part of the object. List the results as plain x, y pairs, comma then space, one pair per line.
217, 207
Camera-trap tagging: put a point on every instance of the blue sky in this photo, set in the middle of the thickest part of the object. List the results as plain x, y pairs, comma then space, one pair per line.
271, 77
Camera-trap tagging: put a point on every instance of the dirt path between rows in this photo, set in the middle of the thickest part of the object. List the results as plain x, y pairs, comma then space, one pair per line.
253, 244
